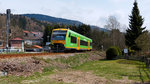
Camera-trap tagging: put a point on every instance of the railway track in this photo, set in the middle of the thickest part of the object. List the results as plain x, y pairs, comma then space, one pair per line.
3, 56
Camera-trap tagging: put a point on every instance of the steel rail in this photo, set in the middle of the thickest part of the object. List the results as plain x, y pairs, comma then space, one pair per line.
3, 56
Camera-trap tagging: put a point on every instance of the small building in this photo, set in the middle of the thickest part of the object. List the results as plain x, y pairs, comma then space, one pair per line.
17, 44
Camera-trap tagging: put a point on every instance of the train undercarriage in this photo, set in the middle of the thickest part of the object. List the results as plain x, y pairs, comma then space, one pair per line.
61, 48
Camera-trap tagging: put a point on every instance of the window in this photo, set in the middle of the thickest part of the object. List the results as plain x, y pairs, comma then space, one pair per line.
83, 43
69, 34
90, 44
59, 35
34, 35
25, 34
73, 39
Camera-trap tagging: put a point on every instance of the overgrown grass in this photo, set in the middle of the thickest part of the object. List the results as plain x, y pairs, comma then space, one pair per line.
37, 75
48, 69
118, 69
19, 79
131, 62
36, 78
42, 59
73, 61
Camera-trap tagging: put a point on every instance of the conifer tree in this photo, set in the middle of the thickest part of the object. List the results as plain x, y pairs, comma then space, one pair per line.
84, 30
135, 27
47, 34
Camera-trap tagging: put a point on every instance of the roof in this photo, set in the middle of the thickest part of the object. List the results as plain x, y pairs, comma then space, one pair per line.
32, 38
73, 32
60, 29
79, 34
17, 39
26, 31
33, 35
34, 32
36, 46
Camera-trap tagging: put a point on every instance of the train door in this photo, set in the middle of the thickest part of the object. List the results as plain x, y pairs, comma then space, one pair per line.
78, 43
88, 45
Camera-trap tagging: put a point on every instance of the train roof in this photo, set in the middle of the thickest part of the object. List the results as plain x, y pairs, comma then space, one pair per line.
72, 31
60, 29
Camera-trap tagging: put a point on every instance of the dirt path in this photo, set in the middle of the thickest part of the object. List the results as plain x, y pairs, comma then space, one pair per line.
79, 77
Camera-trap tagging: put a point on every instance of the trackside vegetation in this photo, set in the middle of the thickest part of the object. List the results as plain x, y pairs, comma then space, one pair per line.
118, 69
88, 62
113, 52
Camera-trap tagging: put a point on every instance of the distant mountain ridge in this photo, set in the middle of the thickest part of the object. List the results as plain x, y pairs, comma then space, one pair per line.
56, 20
51, 19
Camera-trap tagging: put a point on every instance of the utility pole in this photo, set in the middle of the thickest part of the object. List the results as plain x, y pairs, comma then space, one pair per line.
47, 38
7, 28
102, 47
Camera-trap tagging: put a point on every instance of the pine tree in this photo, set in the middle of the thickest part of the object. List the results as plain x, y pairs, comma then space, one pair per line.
135, 27
47, 34
74, 28
84, 30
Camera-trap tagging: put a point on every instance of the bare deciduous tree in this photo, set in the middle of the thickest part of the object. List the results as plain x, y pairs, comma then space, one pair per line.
112, 23
117, 38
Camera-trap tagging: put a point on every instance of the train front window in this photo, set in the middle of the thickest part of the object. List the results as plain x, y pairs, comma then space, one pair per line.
59, 35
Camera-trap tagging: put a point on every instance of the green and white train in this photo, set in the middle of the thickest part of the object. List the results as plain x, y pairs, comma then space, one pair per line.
65, 39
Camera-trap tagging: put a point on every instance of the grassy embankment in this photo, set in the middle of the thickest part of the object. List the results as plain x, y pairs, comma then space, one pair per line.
117, 69
113, 69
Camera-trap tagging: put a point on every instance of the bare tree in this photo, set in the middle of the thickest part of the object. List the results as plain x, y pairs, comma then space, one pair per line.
100, 39
117, 38
112, 23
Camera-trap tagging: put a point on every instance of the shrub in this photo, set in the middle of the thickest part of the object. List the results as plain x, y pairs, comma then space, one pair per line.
131, 52
119, 51
112, 53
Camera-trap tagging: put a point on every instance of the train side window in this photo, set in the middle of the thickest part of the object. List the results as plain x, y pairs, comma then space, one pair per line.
84, 43
69, 34
90, 44
73, 39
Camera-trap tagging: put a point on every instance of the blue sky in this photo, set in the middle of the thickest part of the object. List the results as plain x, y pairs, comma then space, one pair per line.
94, 12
